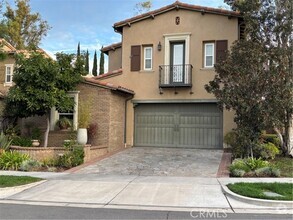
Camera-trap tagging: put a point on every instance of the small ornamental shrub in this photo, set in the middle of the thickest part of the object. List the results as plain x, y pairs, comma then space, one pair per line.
268, 172
30, 165
72, 158
36, 133
21, 141
237, 173
64, 123
254, 164
239, 164
4, 142
12, 160
266, 150
252, 167
273, 138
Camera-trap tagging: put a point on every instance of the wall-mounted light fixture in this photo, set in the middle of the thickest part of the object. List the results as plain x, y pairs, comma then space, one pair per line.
159, 46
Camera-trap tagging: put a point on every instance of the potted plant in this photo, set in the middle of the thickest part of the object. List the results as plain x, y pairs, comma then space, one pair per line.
64, 123
83, 122
35, 137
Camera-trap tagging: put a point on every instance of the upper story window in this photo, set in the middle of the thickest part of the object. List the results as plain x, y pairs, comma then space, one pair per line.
148, 58
8, 73
209, 59
214, 52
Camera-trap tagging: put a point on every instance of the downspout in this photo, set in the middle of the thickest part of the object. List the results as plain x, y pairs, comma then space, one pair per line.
125, 118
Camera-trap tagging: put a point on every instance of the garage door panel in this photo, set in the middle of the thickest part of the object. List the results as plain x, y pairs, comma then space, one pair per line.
178, 125
154, 129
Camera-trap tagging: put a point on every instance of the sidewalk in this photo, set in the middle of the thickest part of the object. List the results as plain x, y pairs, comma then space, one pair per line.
138, 192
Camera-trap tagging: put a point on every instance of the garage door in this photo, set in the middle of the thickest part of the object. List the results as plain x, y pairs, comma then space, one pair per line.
178, 125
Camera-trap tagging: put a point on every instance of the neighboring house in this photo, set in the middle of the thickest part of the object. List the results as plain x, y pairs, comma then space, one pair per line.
7, 66
166, 57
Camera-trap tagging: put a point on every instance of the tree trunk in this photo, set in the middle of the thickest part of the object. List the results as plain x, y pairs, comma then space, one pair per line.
279, 133
47, 131
288, 137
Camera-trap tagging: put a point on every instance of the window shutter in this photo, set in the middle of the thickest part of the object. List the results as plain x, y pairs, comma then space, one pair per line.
135, 58
221, 50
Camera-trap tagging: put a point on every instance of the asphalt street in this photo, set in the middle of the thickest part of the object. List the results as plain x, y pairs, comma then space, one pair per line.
13, 211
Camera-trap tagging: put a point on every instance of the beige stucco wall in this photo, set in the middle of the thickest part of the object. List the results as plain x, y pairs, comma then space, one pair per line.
199, 28
115, 59
9, 60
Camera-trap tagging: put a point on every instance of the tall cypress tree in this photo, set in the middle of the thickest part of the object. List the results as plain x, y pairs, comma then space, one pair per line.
102, 61
78, 49
87, 68
95, 65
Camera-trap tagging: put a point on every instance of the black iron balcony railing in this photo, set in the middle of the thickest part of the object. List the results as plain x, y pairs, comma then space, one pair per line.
175, 76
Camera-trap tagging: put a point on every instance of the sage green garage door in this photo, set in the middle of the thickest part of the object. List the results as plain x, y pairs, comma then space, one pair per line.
178, 125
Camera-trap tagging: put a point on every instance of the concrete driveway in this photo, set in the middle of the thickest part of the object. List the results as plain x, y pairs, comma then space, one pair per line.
148, 161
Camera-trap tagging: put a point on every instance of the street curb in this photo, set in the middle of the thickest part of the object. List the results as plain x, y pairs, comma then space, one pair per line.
259, 202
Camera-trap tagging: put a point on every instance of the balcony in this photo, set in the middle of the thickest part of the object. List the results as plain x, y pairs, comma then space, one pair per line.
175, 76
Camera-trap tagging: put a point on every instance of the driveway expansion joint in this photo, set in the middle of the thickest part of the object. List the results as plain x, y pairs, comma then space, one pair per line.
122, 190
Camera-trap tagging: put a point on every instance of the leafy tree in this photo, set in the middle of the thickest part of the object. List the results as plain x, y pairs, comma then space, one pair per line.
142, 7
102, 61
22, 28
95, 65
256, 79
81, 62
40, 84
87, 69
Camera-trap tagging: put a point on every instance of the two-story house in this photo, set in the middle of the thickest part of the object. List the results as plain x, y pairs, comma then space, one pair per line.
166, 57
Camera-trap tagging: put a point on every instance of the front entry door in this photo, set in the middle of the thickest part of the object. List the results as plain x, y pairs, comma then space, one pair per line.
177, 62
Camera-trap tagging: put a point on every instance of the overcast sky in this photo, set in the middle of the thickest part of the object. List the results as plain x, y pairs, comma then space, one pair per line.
90, 21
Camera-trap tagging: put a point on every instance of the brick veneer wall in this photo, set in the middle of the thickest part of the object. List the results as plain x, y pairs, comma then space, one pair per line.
107, 109
117, 121
42, 153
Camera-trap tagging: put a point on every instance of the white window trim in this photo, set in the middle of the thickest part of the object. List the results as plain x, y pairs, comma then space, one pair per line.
144, 58
176, 37
205, 55
54, 115
11, 74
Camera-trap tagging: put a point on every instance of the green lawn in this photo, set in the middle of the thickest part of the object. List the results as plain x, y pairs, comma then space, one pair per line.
9, 181
256, 190
285, 164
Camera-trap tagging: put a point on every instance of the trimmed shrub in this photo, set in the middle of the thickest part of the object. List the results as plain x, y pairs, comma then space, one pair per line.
12, 160
72, 158
250, 167
273, 138
254, 164
21, 141
268, 172
237, 173
30, 165
239, 164
266, 150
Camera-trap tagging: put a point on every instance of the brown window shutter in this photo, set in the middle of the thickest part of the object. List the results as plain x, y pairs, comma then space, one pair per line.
221, 50
135, 58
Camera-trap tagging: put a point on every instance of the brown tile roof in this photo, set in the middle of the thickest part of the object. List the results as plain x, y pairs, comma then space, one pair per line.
27, 53
111, 47
13, 50
107, 85
7, 45
109, 74
176, 5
